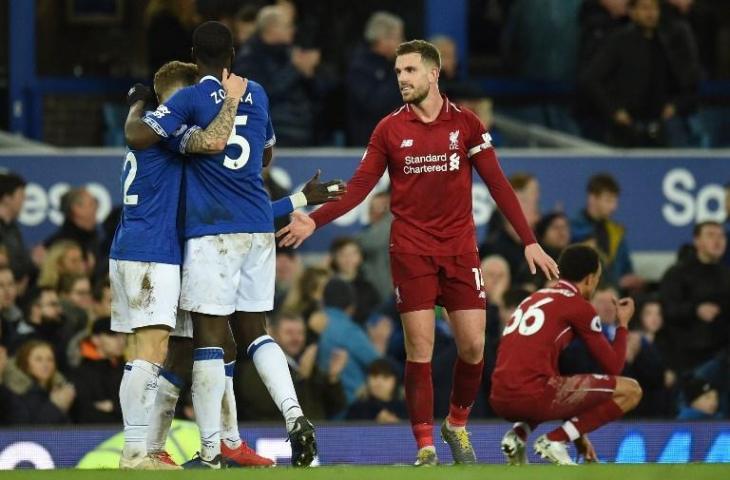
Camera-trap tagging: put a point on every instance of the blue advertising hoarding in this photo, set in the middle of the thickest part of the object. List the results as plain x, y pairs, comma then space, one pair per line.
368, 444
662, 195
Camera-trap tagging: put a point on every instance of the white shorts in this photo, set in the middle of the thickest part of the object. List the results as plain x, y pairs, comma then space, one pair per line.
229, 272
143, 294
184, 325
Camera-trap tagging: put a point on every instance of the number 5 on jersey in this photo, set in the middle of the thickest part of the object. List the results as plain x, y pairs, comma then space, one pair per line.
234, 139
520, 320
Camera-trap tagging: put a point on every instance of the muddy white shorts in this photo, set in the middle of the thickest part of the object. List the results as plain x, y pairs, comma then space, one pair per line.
229, 272
143, 294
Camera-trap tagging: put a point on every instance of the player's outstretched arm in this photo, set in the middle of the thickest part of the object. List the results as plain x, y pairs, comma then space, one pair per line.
318, 193
138, 134
215, 136
298, 230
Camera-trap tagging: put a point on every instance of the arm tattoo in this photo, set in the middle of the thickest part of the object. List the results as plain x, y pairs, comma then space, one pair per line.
213, 139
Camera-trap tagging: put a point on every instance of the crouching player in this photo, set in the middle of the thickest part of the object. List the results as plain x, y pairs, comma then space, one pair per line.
526, 385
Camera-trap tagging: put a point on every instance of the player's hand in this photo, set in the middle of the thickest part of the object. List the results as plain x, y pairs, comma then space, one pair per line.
624, 310
536, 257
318, 193
585, 449
140, 92
234, 85
298, 230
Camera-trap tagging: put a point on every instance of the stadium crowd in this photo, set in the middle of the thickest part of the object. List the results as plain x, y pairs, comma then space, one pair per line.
648, 97
337, 323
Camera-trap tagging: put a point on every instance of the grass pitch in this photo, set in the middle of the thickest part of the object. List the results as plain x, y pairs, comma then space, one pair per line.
347, 472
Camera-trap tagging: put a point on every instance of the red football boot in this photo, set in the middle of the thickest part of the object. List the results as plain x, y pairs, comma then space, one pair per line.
244, 456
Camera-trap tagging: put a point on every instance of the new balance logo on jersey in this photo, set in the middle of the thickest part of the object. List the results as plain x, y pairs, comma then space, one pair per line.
454, 140
454, 162
596, 324
408, 142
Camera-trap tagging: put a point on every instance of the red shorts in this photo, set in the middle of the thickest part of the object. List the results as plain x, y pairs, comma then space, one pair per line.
421, 282
561, 398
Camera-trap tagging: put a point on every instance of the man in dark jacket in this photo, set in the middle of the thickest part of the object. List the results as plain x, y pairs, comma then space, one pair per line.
287, 74
372, 90
695, 298
79, 211
644, 80
12, 196
99, 376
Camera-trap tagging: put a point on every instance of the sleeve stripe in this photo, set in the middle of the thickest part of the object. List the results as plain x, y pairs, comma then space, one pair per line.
270, 142
155, 126
186, 137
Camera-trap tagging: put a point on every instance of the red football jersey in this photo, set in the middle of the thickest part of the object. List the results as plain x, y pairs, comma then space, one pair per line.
540, 328
430, 168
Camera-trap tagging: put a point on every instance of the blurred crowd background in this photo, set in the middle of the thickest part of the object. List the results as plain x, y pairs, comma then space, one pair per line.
648, 73
624, 73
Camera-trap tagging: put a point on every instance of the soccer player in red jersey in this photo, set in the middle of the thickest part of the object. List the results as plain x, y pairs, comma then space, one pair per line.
526, 385
429, 147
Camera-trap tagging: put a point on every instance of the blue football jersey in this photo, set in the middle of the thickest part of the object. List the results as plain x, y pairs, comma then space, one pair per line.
224, 193
149, 230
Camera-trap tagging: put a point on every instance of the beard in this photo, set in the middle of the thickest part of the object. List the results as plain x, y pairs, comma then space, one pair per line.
414, 97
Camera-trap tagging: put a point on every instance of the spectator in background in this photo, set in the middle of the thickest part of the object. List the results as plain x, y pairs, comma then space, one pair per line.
382, 401
99, 376
288, 269
372, 87
12, 196
346, 260
694, 295
644, 80
40, 394
553, 233
286, 72
340, 332
102, 299
77, 302
305, 299
79, 210
598, 19
169, 26
463, 92
497, 278
244, 24
594, 225
64, 257
702, 401
10, 314
320, 392
645, 362
44, 321
374, 240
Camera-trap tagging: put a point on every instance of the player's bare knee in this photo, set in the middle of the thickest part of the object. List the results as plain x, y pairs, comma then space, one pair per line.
628, 393
472, 351
151, 344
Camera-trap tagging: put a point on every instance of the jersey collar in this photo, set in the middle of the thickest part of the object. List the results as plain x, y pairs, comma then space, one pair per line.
210, 77
443, 116
568, 285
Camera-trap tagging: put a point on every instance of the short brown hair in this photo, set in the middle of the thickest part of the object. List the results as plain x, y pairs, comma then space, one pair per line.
602, 182
520, 180
697, 230
174, 73
427, 50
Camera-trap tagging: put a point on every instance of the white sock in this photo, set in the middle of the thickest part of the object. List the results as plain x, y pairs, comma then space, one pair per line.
209, 384
571, 431
136, 396
273, 369
163, 411
229, 415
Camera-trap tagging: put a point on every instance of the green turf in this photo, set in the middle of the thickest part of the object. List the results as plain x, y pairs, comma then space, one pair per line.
486, 472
